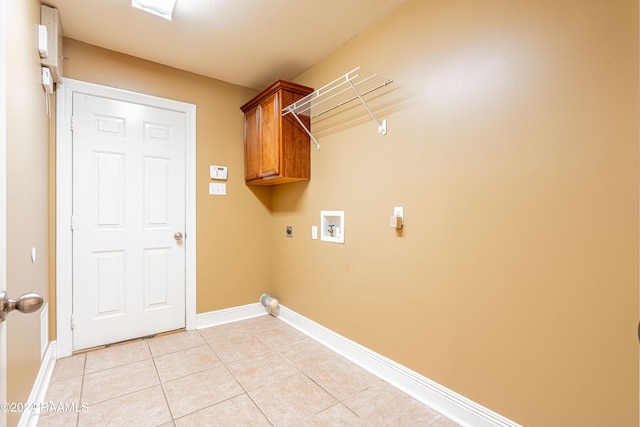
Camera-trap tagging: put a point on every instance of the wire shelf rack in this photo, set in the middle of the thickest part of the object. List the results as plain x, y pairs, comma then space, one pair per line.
351, 86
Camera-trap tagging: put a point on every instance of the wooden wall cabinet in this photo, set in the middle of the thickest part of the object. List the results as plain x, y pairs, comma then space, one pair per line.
276, 148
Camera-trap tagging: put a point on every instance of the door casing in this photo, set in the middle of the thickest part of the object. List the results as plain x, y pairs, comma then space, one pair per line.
64, 199
3, 205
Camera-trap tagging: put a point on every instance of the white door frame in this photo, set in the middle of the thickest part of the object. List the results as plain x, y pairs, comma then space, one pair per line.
64, 199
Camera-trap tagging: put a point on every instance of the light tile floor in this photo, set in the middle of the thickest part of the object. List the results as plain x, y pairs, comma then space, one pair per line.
256, 372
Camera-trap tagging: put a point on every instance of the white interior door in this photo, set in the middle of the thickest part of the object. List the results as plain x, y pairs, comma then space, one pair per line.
128, 220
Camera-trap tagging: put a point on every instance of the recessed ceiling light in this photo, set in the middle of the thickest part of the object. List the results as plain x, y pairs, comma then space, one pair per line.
162, 8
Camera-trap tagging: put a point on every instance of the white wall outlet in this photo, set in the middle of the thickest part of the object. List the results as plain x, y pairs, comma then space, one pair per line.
395, 222
314, 231
399, 211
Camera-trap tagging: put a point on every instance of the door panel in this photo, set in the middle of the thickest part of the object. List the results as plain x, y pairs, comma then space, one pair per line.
156, 191
128, 202
270, 115
155, 274
252, 154
110, 282
110, 169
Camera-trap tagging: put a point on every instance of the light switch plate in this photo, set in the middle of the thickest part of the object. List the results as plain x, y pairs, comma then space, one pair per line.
217, 189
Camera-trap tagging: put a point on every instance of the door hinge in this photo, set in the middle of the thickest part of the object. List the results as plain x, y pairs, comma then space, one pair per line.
71, 224
72, 321
72, 124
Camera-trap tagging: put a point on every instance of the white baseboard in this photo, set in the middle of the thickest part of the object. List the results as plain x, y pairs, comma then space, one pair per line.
38, 393
447, 402
228, 315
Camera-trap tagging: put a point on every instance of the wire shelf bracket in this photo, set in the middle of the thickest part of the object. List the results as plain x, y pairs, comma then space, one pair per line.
353, 85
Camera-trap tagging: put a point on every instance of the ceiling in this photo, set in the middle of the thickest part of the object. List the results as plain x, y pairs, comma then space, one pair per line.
250, 43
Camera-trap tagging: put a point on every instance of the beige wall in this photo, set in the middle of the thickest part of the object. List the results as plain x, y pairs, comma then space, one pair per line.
513, 147
232, 231
27, 195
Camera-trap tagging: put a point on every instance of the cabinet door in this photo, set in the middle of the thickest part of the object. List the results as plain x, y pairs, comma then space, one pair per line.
252, 152
270, 115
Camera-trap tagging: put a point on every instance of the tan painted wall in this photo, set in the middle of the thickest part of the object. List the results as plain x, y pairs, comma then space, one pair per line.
232, 231
513, 147
27, 195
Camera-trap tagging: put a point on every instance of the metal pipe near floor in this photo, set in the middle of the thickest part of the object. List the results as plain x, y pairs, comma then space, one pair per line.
270, 304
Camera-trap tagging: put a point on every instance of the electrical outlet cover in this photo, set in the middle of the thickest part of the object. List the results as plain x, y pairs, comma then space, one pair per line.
399, 211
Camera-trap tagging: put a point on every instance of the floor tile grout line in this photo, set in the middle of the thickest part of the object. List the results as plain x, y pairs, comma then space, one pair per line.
435, 419
266, 417
190, 373
120, 365
123, 395
84, 368
354, 413
117, 366
166, 400
178, 350
215, 404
